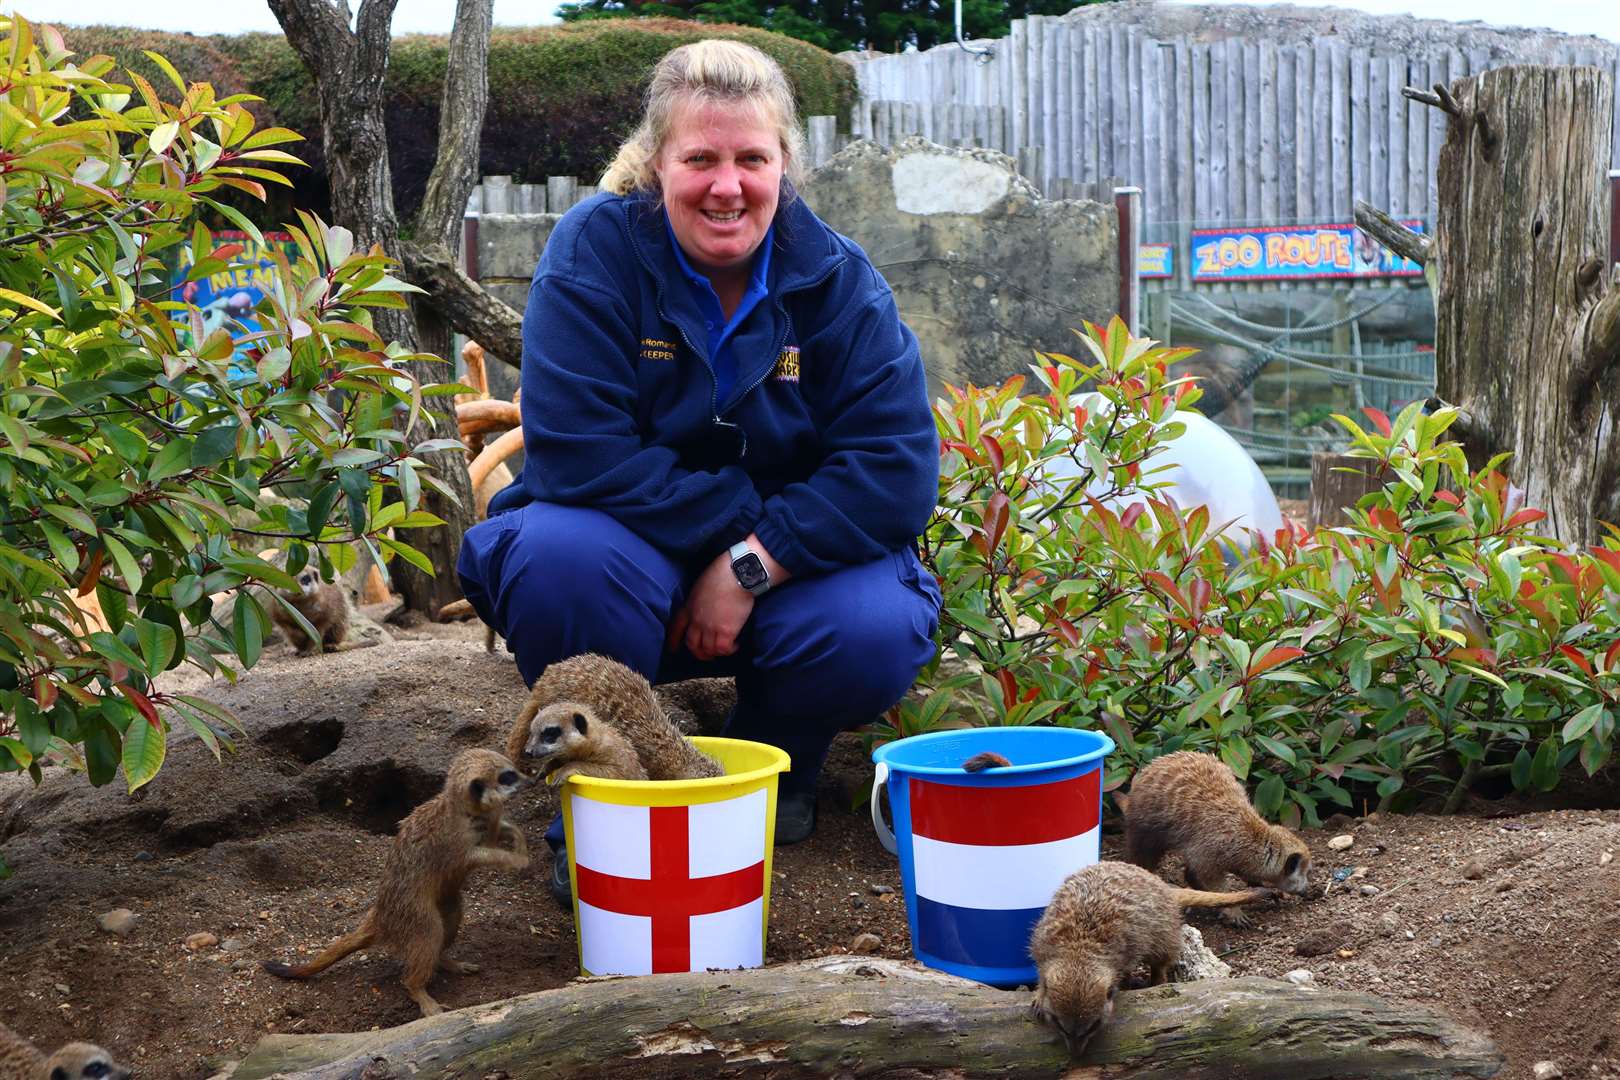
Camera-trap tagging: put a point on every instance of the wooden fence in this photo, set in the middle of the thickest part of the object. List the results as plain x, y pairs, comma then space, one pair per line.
1234, 131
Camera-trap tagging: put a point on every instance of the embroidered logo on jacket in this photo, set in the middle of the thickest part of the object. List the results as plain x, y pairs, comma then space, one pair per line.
787, 365
653, 349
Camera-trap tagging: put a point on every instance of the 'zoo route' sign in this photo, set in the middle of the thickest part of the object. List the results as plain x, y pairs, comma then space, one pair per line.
1281, 252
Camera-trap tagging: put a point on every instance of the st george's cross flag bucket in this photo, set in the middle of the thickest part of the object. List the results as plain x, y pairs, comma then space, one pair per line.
981, 854
674, 875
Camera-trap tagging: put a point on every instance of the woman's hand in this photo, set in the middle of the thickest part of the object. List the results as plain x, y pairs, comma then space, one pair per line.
717, 608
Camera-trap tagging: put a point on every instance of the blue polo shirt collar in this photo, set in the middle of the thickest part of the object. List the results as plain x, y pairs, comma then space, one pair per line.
720, 330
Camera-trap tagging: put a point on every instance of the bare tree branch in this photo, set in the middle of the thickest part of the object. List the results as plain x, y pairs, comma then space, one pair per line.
1392, 234
374, 30
461, 117
463, 303
316, 29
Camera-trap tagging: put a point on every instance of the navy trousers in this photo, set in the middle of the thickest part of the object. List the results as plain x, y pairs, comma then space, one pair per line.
818, 656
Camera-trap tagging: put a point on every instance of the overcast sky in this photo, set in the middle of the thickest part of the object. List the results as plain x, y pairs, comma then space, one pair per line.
1601, 17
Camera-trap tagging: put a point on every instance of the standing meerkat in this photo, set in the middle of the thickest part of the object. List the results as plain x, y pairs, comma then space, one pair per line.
1191, 803
418, 908
1106, 920
625, 700
566, 739
19, 1060
324, 604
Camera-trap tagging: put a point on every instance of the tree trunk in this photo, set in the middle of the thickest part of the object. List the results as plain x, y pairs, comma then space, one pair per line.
348, 69
849, 1016
1337, 482
471, 310
1527, 320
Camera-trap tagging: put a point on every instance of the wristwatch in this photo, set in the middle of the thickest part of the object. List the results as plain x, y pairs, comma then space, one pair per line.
749, 568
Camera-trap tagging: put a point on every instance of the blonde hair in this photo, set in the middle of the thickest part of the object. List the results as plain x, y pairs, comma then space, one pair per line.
706, 72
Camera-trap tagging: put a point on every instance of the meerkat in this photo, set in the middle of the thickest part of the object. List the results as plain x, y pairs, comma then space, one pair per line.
463, 609
1191, 803
323, 604
418, 908
1104, 921
19, 1060
986, 759
567, 739
625, 700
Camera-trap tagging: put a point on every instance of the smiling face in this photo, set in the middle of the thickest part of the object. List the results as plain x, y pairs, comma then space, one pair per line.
720, 170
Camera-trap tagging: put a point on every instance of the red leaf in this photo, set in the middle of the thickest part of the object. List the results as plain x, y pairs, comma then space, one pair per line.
44, 692
1524, 517
142, 703
1379, 419
1564, 563
92, 573
1274, 658
1029, 695
1093, 673
1066, 630
1610, 656
1198, 592
998, 457
1576, 657
1163, 582
1608, 555
225, 251
995, 520
1080, 417
1009, 687
1132, 512
1448, 497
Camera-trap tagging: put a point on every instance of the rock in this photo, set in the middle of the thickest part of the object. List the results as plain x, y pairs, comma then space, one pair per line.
1606, 858
143, 856
201, 940
232, 945
1197, 960
865, 944
1546, 1070
119, 921
1322, 940
244, 964
881, 890
1389, 924
1370, 890
1473, 870
1504, 885
64, 989
1342, 842
1301, 977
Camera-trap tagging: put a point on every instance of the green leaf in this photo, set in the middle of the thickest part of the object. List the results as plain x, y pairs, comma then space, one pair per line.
213, 445
1238, 756
73, 517
19, 753
113, 649
163, 135
101, 752
173, 459
145, 744
1279, 749
125, 561
1582, 722
409, 554
1268, 797
157, 644
247, 628
62, 548
1544, 769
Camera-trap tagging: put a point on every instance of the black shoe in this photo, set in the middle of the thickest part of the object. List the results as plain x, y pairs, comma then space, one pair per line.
561, 890
795, 818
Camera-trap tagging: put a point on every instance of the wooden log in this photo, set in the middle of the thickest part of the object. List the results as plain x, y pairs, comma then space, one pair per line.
1337, 481
855, 1016
491, 411
494, 454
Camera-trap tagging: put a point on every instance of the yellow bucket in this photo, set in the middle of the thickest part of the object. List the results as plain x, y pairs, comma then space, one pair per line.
674, 875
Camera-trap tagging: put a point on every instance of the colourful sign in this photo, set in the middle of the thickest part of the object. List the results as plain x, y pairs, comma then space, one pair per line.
228, 298
1283, 252
1155, 260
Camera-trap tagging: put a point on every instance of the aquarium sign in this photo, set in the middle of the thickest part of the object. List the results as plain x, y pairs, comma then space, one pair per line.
1287, 252
1155, 260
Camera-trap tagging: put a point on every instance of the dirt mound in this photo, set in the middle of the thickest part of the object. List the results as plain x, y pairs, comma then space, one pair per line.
1514, 923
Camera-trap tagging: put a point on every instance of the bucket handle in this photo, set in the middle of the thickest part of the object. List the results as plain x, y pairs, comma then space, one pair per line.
885, 834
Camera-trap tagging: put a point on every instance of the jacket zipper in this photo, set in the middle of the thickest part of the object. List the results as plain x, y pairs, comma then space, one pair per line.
787, 330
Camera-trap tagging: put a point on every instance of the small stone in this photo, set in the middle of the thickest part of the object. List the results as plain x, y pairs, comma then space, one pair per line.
202, 939
63, 989
865, 944
1301, 977
143, 856
232, 945
1197, 960
1504, 885
1410, 936
1322, 940
1370, 890
1389, 924
1606, 858
1546, 1070
1473, 870
243, 964
1342, 842
881, 890
1346, 954
119, 921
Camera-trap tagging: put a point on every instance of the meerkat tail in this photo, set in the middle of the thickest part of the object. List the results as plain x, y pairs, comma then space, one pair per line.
456, 609
989, 759
1197, 898
1123, 801
343, 946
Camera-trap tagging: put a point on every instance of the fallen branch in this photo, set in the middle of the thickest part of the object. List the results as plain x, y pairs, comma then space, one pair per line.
1392, 234
854, 1016
1440, 99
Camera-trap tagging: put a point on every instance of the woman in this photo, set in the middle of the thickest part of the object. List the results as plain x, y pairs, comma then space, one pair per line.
728, 444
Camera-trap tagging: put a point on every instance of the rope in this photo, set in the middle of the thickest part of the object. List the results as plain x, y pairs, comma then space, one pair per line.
1289, 331
1300, 356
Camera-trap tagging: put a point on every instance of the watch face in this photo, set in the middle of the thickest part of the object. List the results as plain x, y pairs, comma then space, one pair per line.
749, 570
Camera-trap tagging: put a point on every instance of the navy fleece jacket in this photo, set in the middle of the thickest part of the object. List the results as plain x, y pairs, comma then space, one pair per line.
824, 447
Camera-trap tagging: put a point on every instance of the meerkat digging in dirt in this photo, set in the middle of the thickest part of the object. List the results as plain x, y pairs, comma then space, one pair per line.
622, 698
1191, 803
418, 908
19, 1060
1106, 920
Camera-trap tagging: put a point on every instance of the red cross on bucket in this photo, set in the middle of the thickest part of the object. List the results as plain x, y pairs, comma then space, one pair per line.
671, 896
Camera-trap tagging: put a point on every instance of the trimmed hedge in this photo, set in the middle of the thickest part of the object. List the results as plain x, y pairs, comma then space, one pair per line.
561, 97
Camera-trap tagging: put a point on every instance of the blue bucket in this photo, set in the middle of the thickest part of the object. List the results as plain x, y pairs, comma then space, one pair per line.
982, 853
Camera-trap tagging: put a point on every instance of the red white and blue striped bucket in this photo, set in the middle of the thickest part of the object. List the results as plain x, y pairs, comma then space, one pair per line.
981, 854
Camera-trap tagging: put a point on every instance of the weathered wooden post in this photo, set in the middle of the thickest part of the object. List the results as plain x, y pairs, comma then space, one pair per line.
1337, 482
1527, 305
